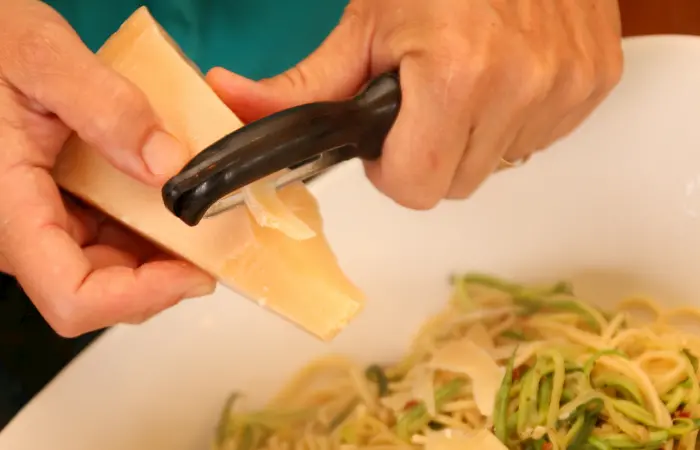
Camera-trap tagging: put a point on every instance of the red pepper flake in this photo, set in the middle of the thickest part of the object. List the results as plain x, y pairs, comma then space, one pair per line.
682, 414
410, 404
518, 372
547, 446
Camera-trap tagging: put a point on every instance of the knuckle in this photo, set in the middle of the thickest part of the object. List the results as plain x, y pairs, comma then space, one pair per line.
123, 102
459, 191
420, 201
423, 203
35, 53
538, 78
459, 52
456, 43
596, 74
296, 78
64, 321
455, 75
354, 12
66, 330
35, 47
126, 98
583, 81
414, 185
612, 67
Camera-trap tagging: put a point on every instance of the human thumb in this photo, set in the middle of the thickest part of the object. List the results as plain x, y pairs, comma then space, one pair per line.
53, 68
336, 70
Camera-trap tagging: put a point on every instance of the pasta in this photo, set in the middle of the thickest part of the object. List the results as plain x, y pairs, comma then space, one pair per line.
503, 366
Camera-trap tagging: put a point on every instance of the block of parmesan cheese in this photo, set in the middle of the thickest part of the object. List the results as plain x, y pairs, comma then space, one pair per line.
298, 279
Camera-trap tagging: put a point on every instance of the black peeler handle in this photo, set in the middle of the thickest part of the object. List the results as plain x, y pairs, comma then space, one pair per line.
283, 140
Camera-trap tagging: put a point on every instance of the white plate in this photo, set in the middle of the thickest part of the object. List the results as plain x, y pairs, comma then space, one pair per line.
615, 206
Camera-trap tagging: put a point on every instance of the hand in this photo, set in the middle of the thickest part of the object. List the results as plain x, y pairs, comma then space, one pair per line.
83, 272
481, 80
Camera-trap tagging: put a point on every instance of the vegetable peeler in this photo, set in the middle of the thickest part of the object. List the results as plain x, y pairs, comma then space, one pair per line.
307, 139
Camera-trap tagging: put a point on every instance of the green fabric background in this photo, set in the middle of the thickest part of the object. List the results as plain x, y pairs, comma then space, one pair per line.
255, 38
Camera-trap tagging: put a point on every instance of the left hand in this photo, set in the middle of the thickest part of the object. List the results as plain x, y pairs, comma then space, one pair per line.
82, 271
482, 81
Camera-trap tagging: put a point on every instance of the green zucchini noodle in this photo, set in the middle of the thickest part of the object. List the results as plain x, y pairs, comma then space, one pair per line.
529, 367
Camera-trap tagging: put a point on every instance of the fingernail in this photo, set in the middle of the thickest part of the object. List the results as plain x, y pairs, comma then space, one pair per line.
163, 154
200, 290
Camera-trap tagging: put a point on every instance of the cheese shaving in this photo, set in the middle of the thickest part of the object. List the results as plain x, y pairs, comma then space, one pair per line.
270, 211
481, 440
466, 357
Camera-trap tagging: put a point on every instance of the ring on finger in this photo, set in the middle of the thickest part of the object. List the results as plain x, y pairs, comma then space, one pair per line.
504, 164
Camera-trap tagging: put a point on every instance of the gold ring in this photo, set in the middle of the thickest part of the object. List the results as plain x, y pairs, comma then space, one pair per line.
505, 164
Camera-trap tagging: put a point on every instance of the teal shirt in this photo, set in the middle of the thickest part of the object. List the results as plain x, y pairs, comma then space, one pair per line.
255, 38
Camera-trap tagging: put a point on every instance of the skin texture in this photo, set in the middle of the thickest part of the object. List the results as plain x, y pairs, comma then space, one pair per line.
481, 80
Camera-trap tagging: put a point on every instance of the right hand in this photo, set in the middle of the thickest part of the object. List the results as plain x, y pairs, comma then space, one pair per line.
82, 271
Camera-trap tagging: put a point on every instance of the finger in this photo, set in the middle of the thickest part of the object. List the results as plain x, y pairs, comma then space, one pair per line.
567, 122
82, 223
574, 85
103, 256
424, 146
539, 125
543, 116
572, 120
562, 127
523, 91
114, 235
336, 70
116, 291
484, 150
595, 67
5, 266
80, 291
113, 244
497, 128
51, 66
605, 75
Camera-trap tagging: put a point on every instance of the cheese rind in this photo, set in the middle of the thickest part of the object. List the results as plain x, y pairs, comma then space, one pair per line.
298, 279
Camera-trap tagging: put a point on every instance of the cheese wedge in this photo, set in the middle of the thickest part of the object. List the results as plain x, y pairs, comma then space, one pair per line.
298, 279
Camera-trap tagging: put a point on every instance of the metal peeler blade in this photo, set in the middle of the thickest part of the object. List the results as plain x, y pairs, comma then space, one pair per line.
307, 139
301, 173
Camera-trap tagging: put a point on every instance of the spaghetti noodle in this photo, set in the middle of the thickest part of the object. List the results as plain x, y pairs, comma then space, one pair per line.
505, 365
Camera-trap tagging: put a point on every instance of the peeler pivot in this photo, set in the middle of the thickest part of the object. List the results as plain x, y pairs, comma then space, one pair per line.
307, 139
